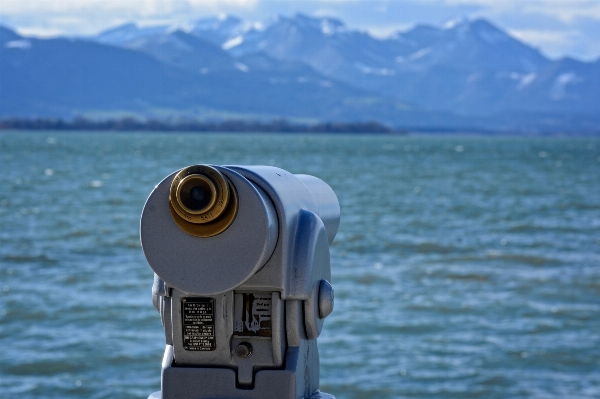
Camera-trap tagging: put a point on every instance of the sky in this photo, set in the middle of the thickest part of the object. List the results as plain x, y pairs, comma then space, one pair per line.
558, 28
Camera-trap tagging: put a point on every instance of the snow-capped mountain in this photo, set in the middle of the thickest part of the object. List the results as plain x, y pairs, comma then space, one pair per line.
218, 30
323, 43
468, 45
467, 67
566, 85
462, 73
183, 50
71, 77
464, 66
128, 32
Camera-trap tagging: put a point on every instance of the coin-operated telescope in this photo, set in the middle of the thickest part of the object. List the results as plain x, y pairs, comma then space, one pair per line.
242, 280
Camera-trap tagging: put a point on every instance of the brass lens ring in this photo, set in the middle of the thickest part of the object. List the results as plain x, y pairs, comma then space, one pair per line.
196, 194
202, 200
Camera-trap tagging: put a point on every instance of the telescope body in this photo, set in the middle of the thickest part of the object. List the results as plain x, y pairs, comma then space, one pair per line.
242, 280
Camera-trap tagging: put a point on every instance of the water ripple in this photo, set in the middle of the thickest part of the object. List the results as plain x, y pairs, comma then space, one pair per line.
464, 267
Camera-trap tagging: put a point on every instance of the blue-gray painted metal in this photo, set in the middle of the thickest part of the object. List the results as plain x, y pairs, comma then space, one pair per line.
278, 244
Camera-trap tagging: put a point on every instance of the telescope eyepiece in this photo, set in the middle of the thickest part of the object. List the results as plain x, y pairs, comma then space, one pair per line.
202, 200
196, 194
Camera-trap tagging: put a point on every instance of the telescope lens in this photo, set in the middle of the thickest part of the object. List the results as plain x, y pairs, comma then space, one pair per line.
196, 199
202, 201
196, 194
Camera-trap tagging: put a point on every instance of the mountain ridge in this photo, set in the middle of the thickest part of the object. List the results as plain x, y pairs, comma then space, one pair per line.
468, 67
466, 73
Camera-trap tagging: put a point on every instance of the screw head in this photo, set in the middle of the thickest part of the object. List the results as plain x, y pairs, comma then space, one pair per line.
243, 350
325, 299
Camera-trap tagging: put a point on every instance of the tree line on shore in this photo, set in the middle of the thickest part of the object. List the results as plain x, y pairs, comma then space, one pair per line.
233, 125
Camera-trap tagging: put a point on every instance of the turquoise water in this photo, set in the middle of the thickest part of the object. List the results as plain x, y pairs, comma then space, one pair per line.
464, 267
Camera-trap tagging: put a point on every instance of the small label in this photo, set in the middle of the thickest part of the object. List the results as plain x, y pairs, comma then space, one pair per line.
198, 324
252, 314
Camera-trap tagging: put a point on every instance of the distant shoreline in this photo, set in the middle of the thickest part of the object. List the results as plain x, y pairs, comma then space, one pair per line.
129, 124
227, 126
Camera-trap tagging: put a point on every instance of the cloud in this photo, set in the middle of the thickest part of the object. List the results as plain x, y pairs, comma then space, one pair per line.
553, 42
12, 7
48, 17
566, 11
557, 43
543, 36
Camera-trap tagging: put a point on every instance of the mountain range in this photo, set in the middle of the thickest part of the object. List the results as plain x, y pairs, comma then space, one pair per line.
465, 74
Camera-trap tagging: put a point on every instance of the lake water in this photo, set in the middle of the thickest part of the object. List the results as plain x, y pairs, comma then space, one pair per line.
464, 267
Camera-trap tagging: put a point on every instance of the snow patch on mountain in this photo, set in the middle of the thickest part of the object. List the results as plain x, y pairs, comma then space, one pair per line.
419, 54
453, 23
559, 89
231, 43
241, 67
328, 28
259, 26
22, 44
526, 80
125, 33
375, 71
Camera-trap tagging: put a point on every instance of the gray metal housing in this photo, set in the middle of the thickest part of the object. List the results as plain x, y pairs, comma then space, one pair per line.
277, 248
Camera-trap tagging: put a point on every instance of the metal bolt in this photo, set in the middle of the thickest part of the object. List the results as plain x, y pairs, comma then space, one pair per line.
325, 299
243, 350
